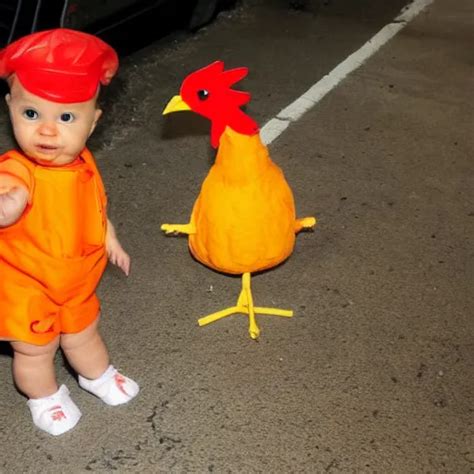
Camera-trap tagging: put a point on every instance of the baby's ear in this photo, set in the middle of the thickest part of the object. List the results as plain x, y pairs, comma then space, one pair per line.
98, 113
8, 98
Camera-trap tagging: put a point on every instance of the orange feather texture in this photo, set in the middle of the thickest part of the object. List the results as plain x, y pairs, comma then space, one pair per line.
244, 217
208, 92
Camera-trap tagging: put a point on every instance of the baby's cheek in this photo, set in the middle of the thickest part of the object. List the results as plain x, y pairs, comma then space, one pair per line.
76, 142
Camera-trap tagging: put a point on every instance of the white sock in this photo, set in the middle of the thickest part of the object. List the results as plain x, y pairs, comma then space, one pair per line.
55, 414
111, 387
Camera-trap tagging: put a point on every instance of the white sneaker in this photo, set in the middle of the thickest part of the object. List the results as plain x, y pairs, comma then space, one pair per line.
111, 387
55, 414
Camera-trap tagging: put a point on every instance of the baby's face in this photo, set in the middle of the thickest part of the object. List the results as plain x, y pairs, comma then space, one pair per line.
51, 133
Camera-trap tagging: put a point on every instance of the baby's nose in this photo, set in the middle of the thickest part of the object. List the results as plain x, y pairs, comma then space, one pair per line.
48, 129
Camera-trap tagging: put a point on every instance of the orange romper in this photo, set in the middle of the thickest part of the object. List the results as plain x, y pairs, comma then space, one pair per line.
52, 258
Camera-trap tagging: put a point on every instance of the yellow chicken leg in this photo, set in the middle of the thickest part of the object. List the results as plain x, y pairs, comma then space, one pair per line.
179, 228
305, 223
245, 306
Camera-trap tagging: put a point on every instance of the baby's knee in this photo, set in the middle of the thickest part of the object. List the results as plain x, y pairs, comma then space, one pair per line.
32, 350
76, 340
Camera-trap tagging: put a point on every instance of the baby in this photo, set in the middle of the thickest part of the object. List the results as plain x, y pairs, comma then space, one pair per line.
54, 233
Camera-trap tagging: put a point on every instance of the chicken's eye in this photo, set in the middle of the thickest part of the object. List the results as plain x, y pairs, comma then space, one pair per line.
203, 94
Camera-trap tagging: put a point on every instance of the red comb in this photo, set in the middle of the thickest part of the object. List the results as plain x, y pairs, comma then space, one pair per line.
226, 102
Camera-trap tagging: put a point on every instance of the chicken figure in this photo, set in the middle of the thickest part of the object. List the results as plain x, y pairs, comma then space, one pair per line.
243, 220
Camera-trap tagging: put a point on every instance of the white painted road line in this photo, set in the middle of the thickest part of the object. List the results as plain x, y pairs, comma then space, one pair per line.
276, 126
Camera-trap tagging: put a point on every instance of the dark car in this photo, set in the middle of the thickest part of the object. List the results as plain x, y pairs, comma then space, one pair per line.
114, 19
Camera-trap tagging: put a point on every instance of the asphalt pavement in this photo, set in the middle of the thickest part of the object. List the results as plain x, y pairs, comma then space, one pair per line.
374, 373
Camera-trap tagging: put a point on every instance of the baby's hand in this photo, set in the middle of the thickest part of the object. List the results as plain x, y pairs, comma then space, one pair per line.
12, 204
118, 256
115, 251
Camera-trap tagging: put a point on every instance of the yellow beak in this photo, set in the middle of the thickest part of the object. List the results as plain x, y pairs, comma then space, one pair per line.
176, 104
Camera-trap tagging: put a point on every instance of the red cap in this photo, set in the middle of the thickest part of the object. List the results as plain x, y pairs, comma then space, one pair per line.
60, 65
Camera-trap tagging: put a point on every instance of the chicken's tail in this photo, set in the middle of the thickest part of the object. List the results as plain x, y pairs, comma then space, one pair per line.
306, 223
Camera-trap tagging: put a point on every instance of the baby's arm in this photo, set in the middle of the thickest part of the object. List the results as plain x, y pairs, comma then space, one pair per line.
13, 199
115, 252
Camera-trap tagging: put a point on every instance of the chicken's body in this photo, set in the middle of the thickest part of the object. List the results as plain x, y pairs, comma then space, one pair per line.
244, 217
243, 220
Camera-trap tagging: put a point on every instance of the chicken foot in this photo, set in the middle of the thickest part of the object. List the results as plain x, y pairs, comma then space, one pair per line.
245, 306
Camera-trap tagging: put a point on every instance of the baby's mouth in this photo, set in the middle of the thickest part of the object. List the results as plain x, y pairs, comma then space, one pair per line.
44, 148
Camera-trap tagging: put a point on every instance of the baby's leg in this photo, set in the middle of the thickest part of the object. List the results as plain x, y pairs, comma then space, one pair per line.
87, 354
33, 368
86, 351
52, 409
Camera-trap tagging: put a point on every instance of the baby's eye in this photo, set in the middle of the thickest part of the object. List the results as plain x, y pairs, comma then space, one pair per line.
30, 114
67, 117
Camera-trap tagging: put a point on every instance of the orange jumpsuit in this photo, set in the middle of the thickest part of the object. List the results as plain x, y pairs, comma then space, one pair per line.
52, 258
